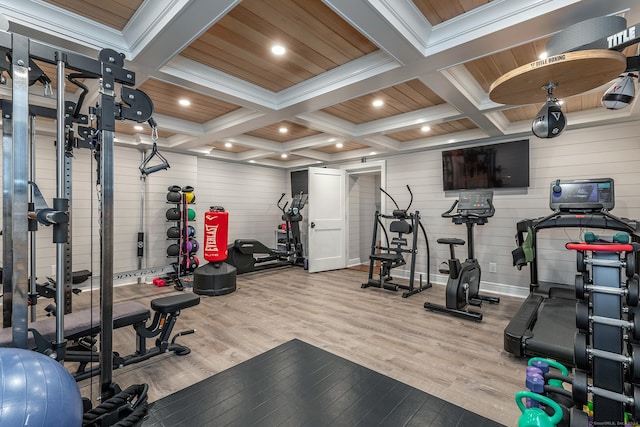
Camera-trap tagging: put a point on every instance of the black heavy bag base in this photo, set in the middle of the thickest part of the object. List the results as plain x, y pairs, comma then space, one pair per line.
214, 279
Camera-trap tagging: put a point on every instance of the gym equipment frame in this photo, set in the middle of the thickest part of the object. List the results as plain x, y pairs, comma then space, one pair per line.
243, 253
109, 68
403, 223
544, 325
474, 207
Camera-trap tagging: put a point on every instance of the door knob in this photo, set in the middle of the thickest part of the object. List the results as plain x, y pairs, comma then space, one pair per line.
313, 225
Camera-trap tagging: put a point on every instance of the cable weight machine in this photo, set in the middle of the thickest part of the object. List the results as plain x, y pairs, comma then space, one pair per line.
135, 106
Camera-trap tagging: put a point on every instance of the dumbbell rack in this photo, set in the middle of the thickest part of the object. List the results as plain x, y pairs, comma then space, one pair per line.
605, 318
183, 240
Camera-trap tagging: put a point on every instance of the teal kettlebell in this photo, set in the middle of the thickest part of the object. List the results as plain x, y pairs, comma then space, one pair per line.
536, 417
553, 363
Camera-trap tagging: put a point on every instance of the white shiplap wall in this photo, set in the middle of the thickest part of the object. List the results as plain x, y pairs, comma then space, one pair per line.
361, 192
606, 151
248, 192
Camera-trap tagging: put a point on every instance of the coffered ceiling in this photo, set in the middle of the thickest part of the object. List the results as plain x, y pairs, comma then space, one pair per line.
430, 62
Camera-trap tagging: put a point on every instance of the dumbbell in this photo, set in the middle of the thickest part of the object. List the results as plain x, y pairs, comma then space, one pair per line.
629, 263
581, 389
583, 354
631, 289
583, 318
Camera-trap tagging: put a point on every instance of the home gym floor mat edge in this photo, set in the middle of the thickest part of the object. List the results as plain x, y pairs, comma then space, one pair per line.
299, 384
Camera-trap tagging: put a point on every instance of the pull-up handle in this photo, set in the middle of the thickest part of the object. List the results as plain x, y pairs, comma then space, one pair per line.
146, 170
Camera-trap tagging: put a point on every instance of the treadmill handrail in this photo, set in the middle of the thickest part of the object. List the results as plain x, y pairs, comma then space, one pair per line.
601, 219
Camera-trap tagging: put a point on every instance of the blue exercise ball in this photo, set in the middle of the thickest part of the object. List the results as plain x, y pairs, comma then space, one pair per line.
36, 390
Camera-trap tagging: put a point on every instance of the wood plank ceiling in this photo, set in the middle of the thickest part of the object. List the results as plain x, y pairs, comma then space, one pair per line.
430, 62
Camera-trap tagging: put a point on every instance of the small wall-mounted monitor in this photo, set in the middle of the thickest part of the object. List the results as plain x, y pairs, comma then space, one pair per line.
299, 182
582, 195
503, 165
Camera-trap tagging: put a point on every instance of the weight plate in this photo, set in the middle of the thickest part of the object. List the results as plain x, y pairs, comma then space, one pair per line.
633, 290
582, 315
580, 351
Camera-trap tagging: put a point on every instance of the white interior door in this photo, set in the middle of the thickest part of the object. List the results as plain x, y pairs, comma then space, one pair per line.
327, 220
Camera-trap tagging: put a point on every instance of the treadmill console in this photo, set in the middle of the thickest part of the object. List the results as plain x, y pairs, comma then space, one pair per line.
475, 201
582, 195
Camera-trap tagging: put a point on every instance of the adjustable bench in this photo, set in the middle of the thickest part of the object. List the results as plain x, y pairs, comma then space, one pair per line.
82, 326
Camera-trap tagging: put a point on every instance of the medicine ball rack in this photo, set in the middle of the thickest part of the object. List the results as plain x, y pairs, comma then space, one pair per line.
184, 246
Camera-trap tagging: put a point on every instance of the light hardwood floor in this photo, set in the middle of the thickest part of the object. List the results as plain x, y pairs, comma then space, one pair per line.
460, 361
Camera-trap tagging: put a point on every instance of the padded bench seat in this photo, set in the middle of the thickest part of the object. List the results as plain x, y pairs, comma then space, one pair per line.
386, 256
81, 323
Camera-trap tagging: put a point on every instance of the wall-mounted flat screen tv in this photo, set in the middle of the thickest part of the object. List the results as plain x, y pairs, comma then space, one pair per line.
503, 165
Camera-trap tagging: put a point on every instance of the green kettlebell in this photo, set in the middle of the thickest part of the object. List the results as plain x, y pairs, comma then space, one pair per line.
537, 417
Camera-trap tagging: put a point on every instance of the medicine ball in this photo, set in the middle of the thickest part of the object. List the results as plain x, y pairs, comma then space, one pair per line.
173, 232
173, 250
174, 188
190, 263
173, 214
550, 121
186, 246
187, 189
194, 245
190, 197
191, 215
174, 197
191, 231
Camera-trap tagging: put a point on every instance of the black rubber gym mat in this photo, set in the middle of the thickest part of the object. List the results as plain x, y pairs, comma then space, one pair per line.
297, 384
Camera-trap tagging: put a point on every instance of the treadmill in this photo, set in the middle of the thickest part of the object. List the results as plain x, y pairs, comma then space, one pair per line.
545, 323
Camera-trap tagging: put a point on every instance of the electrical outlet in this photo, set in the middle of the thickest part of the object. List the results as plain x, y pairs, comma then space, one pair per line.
493, 267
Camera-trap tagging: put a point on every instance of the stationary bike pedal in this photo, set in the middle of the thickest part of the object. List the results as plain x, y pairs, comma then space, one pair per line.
475, 302
444, 268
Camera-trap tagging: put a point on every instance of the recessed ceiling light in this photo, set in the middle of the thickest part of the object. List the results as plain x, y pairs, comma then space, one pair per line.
138, 127
184, 102
373, 153
228, 144
277, 49
252, 161
425, 128
332, 139
284, 155
543, 55
378, 103
339, 145
283, 129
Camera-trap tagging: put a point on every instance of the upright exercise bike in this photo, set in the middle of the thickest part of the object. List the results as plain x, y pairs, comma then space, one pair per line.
463, 285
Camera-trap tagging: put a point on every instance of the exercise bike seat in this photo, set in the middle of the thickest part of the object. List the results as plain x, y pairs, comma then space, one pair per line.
450, 241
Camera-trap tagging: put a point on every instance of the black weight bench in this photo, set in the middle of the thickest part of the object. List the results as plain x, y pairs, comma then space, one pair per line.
81, 327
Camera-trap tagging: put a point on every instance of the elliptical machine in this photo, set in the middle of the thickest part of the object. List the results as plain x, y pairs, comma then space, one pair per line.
251, 255
463, 284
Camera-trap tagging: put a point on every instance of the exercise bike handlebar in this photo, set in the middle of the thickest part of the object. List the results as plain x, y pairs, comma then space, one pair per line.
472, 213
